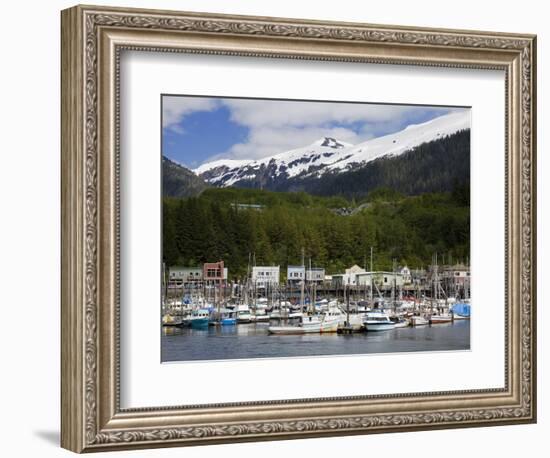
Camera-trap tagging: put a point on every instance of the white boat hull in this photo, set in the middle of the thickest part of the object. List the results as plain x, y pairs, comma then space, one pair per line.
307, 326
440, 319
402, 324
259, 318
379, 326
419, 321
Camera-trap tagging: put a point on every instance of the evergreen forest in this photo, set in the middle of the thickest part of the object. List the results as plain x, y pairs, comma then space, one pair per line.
230, 224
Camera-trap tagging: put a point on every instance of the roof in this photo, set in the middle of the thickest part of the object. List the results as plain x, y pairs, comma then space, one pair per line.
185, 268
354, 269
379, 272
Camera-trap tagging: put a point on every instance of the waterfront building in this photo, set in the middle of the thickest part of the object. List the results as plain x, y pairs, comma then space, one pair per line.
315, 274
383, 280
419, 276
295, 274
214, 273
347, 278
265, 276
407, 276
455, 280
184, 276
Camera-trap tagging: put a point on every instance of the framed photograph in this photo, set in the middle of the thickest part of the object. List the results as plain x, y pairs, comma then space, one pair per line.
278, 228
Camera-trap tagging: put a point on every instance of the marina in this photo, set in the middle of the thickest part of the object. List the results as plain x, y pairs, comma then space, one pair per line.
210, 318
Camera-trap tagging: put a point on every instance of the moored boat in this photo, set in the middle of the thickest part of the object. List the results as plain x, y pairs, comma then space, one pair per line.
326, 322
295, 314
243, 314
169, 320
228, 318
377, 320
419, 321
439, 319
461, 311
259, 317
460, 317
401, 323
199, 318
352, 322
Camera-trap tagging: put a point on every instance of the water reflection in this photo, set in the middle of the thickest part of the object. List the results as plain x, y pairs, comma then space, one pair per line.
253, 341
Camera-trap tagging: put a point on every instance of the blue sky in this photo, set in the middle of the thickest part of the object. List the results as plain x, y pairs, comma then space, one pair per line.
199, 129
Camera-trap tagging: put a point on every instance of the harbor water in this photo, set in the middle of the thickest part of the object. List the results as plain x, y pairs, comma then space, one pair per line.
252, 340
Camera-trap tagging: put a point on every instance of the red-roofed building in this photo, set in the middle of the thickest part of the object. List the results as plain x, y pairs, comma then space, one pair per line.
214, 273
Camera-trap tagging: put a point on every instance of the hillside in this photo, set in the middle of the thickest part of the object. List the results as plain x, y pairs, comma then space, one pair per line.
178, 181
335, 232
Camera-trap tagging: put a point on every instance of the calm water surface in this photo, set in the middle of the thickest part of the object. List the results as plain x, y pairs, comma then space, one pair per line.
253, 341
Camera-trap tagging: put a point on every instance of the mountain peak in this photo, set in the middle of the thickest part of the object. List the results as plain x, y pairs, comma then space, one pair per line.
330, 142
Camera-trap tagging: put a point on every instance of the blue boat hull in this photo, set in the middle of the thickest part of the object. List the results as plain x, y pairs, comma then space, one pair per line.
199, 323
228, 321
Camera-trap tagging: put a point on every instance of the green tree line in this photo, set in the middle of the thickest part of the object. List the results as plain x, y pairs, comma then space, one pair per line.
215, 226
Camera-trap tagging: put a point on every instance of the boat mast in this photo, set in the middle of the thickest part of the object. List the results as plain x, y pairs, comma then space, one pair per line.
302, 283
347, 311
247, 287
312, 286
371, 279
394, 286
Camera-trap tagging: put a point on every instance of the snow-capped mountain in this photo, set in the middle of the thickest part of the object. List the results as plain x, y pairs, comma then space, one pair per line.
328, 155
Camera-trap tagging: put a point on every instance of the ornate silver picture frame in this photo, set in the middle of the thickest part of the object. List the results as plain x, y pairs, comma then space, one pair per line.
93, 39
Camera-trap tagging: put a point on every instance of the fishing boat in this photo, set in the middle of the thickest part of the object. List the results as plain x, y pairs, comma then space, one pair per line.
461, 311
353, 322
326, 322
199, 318
295, 314
169, 320
243, 314
228, 318
275, 315
417, 320
378, 320
460, 317
401, 322
258, 316
439, 319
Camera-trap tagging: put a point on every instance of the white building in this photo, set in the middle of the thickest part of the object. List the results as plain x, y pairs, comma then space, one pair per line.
183, 276
349, 277
380, 279
407, 276
295, 274
315, 274
264, 276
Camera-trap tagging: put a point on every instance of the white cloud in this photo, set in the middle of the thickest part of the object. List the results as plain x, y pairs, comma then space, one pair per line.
276, 126
274, 113
174, 109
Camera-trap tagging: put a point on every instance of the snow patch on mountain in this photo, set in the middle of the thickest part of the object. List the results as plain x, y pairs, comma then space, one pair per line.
230, 163
331, 155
